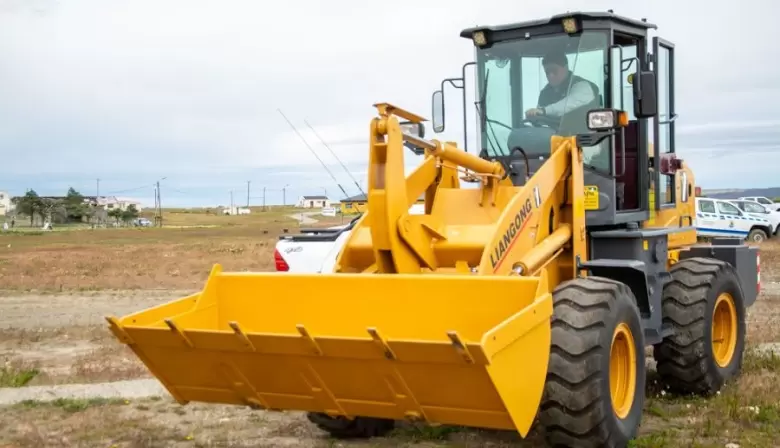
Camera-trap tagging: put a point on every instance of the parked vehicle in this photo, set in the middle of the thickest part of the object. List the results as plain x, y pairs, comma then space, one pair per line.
719, 218
315, 250
760, 211
142, 222
763, 200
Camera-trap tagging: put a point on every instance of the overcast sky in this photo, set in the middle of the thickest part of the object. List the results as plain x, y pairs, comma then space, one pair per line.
132, 91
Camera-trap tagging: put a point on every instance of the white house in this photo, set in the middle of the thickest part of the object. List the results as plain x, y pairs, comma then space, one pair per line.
5, 203
236, 211
112, 202
313, 202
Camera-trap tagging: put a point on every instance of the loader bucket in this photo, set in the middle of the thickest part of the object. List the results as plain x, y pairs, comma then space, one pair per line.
452, 349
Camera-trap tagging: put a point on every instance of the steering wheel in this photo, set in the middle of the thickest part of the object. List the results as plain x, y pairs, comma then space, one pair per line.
543, 120
490, 120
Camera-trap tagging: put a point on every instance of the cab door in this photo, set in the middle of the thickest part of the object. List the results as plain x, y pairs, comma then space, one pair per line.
707, 218
733, 222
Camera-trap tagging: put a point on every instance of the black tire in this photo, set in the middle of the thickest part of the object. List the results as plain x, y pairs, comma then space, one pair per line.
686, 360
577, 409
357, 428
757, 236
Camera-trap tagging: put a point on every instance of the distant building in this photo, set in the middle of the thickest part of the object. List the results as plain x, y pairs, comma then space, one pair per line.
236, 211
112, 202
313, 202
5, 203
358, 204
105, 202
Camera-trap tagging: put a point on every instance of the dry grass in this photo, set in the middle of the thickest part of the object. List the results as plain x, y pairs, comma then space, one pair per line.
151, 258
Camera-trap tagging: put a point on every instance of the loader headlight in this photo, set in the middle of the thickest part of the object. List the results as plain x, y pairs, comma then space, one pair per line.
605, 119
570, 25
415, 129
479, 38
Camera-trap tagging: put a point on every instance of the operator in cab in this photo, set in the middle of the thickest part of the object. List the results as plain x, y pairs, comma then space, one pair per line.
562, 108
565, 92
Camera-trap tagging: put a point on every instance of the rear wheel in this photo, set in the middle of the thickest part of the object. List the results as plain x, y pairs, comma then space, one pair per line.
596, 377
704, 304
359, 427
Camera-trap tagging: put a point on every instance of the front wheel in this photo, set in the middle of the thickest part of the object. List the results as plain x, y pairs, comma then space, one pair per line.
596, 377
356, 428
757, 236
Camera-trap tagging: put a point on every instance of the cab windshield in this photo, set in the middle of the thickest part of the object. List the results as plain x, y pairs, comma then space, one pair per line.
535, 88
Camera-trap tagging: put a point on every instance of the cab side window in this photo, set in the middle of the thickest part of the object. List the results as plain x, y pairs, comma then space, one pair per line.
727, 209
752, 208
707, 207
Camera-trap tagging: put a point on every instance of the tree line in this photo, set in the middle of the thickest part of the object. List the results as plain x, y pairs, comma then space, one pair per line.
72, 208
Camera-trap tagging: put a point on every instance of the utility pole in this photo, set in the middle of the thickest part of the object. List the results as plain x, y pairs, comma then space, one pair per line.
231, 201
264, 209
247, 192
157, 205
97, 200
284, 195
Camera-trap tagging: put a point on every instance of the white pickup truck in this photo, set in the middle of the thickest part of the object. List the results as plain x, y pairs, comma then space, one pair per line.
315, 250
721, 218
765, 201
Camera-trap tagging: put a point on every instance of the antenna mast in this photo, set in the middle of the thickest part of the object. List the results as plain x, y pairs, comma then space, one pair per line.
336, 157
315, 154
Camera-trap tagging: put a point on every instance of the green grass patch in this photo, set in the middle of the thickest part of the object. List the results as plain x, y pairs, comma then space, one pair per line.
11, 376
72, 404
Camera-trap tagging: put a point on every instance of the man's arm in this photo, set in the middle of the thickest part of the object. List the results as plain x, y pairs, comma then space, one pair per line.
580, 95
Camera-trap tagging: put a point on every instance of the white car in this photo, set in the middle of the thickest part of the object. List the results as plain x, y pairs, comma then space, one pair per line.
760, 211
316, 250
721, 218
770, 204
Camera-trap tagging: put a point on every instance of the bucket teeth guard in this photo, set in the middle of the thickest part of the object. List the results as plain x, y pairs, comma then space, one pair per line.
451, 349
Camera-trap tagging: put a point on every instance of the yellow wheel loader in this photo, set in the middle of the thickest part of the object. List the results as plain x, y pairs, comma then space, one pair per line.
527, 291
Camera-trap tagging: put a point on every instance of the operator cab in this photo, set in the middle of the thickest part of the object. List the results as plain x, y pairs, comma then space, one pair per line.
542, 78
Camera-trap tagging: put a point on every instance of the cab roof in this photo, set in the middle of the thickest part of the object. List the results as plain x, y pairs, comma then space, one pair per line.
580, 16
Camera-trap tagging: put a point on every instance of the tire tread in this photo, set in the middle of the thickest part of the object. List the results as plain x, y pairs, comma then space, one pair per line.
571, 411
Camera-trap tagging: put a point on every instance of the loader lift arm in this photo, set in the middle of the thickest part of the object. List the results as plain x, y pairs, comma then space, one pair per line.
494, 230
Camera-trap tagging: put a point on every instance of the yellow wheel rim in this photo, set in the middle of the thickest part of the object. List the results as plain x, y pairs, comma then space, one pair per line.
724, 329
622, 370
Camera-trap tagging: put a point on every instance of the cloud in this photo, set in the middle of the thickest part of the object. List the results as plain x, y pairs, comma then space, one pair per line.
133, 91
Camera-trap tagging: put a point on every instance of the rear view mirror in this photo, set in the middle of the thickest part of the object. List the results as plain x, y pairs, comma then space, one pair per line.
437, 112
645, 98
669, 163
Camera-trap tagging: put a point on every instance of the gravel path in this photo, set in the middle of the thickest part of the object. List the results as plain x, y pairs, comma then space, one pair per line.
51, 311
117, 389
305, 218
66, 310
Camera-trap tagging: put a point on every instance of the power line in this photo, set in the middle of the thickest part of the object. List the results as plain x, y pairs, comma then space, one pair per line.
130, 189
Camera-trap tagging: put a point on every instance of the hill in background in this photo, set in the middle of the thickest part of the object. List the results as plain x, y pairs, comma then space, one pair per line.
771, 193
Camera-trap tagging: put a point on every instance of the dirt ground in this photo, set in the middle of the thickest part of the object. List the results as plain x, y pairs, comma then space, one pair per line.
174, 257
59, 338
